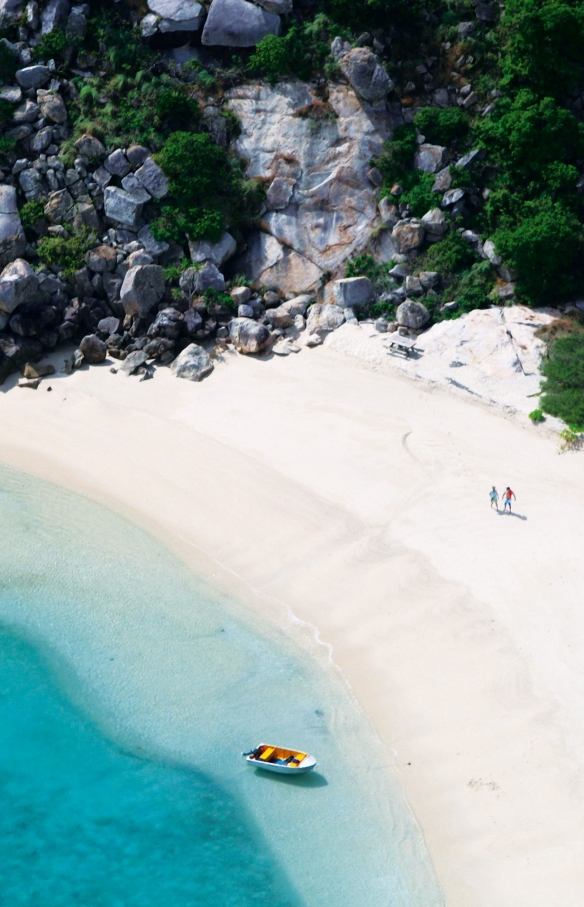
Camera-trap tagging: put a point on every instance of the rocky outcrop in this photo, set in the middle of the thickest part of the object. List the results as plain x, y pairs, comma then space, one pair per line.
323, 154
237, 23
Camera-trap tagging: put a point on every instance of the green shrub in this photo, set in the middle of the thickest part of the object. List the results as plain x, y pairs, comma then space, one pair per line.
442, 127
526, 135
544, 249
537, 416
563, 390
67, 253
206, 189
397, 156
31, 213
52, 46
450, 256
301, 52
544, 46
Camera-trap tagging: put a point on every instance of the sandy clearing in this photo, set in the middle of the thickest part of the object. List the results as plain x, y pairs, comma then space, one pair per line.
358, 501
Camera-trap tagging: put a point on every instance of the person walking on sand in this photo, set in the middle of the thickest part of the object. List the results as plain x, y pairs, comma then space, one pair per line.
494, 496
507, 495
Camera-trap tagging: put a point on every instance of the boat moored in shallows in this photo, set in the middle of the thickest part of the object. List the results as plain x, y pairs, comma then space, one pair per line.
280, 759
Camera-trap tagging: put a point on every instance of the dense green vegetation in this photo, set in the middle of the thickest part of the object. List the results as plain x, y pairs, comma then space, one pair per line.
563, 369
66, 252
207, 189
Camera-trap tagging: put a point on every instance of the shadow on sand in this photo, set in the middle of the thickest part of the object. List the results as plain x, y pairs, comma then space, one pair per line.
518, 516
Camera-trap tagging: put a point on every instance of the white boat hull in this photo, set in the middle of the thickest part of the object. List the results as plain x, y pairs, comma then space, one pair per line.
306, 765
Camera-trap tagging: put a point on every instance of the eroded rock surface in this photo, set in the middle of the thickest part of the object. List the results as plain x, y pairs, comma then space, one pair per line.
323, 153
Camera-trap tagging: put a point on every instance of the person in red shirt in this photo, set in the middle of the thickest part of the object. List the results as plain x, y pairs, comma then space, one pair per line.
507, 495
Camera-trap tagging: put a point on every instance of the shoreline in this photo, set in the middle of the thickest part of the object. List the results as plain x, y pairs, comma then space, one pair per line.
339, 493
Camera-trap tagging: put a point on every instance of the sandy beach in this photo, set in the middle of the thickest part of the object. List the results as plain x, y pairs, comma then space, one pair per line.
350, 504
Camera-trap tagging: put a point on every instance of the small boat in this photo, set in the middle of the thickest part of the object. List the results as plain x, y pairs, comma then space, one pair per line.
280, 759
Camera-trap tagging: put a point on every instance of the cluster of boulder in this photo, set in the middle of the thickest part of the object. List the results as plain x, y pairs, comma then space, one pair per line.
312, 146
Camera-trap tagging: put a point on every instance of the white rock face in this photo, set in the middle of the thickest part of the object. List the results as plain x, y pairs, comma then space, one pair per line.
492, 353
332, 207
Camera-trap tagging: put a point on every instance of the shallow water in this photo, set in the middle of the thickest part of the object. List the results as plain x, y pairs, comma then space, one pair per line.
129, 690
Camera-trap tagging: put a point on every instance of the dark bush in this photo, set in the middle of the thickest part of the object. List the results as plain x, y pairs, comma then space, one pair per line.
442, 127
545, 250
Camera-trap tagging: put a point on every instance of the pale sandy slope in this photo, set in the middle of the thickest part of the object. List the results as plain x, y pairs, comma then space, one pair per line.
359, 500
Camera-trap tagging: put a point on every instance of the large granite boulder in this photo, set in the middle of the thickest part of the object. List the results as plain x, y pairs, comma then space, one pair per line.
52, 106
178, 15
19, 285
283, 316
122, 207
142, 289
193, 363
431, 158
351, 292
202, 250
412, 314
435, 225
248, 336
324, 318
151, 177
33, 76
196, 281
237, 23
408, 236
12, 238
333, 208
366, 74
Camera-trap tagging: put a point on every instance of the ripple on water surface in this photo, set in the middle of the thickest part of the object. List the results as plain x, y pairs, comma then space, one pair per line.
123, 716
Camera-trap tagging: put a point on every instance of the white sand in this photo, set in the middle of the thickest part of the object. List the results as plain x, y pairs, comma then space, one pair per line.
359, 501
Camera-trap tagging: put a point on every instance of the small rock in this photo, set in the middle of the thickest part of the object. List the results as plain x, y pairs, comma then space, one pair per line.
195, 282
237, 23
33, 383
430, 158
134, 361
117, 163
240, 295
90, 147
102, 259
93, 348
38, 371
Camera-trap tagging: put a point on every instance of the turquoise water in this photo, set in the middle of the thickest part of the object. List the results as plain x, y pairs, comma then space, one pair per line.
128, 690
